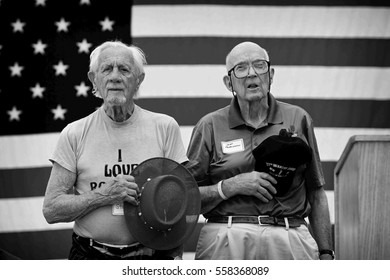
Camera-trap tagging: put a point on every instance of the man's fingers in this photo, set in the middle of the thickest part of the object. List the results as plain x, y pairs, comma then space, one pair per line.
131, 200
268, 177
261, 197
264, 192
127, 178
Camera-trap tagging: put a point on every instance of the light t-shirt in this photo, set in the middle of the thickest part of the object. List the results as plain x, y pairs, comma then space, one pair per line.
97, 149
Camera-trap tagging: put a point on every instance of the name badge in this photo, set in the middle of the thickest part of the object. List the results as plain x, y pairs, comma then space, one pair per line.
117, 209
234, 146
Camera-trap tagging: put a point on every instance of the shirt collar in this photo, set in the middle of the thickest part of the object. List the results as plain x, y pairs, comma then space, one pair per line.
274, 113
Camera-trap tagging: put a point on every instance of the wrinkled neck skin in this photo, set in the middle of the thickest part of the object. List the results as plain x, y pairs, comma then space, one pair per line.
254, 112
119, 113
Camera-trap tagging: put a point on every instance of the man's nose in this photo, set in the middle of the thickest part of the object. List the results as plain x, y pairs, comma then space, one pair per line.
251, 71
115, 75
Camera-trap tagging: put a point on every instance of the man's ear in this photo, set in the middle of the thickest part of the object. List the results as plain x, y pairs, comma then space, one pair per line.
91, 77
271, 75
140, 79
227, 82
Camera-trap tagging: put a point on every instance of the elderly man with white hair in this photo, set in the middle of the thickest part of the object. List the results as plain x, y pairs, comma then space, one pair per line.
96, 155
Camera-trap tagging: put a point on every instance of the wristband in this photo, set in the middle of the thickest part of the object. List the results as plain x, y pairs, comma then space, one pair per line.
221, 194
327, 251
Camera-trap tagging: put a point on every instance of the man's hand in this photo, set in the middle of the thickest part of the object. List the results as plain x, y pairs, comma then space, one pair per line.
258, 184
122, 188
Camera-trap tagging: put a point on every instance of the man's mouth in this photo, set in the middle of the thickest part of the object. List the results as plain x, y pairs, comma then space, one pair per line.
253, 86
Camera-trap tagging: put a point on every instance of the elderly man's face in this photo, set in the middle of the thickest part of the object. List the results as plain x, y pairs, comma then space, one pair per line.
116, 78
253, 86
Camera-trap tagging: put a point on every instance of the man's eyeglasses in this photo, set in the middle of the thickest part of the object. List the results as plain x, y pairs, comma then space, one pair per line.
242, 70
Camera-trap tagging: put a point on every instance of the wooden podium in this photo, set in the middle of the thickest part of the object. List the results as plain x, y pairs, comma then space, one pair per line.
362, 199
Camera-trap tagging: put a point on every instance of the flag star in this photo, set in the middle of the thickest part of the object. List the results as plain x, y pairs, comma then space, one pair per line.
107, 24
82, 89
39, 47
84, 46
40, 2
18, 26
16, 70
14, 114
60, 68
37, 91
59, 113
62, 25
86, 2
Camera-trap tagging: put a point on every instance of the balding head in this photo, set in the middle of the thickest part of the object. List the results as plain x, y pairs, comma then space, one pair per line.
243, 52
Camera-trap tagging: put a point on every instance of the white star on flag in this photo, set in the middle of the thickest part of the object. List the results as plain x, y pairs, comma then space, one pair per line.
14, 114
84, 46
107, 24
82, 89
16, 70
62, 25
86, 2
59, 113
37, 91
40, 3
39, 47
18, 26
60, 68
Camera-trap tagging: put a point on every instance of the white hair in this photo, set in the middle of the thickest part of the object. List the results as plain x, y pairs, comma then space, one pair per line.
137, 54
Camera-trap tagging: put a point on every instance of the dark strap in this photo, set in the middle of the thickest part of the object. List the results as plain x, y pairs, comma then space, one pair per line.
265, 220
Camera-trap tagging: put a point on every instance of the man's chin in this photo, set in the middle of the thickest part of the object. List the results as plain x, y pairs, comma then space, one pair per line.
116, 100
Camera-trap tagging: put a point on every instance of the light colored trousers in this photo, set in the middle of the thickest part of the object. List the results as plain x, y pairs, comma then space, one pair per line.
244, 241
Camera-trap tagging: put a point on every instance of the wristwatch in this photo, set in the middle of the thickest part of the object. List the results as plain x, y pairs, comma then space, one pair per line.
328, 252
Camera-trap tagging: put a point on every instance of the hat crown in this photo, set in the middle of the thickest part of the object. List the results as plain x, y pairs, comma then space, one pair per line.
163, 202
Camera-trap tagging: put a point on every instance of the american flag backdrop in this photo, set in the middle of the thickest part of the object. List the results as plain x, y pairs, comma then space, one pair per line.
331, 58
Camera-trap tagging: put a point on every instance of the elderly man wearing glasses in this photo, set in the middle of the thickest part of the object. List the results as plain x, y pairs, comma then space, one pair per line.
249, 214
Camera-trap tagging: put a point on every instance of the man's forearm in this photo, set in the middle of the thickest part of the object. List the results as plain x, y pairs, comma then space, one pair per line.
319, 219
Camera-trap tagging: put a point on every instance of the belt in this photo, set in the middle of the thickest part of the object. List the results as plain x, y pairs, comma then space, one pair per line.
119, 251
261, 220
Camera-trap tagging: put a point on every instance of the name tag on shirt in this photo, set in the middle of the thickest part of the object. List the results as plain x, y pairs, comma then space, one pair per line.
234, 146
117, 209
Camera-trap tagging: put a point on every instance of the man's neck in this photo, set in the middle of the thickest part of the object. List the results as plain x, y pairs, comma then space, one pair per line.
119, 113
254, 113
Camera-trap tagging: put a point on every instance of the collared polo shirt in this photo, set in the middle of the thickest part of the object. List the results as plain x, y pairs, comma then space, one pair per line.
221, 147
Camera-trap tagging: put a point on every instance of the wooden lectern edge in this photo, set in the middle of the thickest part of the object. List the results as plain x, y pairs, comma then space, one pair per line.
354, 139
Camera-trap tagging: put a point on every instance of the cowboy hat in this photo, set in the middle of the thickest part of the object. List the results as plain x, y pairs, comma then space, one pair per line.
280, 156
169, 204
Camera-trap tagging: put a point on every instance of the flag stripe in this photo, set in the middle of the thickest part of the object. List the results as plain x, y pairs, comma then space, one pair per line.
260, 21
29, 215
311, 82
325, 113
188, 111
283, 51
267, 2
331, 142
22, 179
55, 244
38, 245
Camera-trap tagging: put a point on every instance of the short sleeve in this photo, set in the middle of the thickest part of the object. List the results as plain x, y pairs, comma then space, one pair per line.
314, 173
65, 151
174, 147
199, 153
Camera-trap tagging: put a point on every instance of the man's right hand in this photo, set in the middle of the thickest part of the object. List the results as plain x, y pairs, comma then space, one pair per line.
258, 184
122, 188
